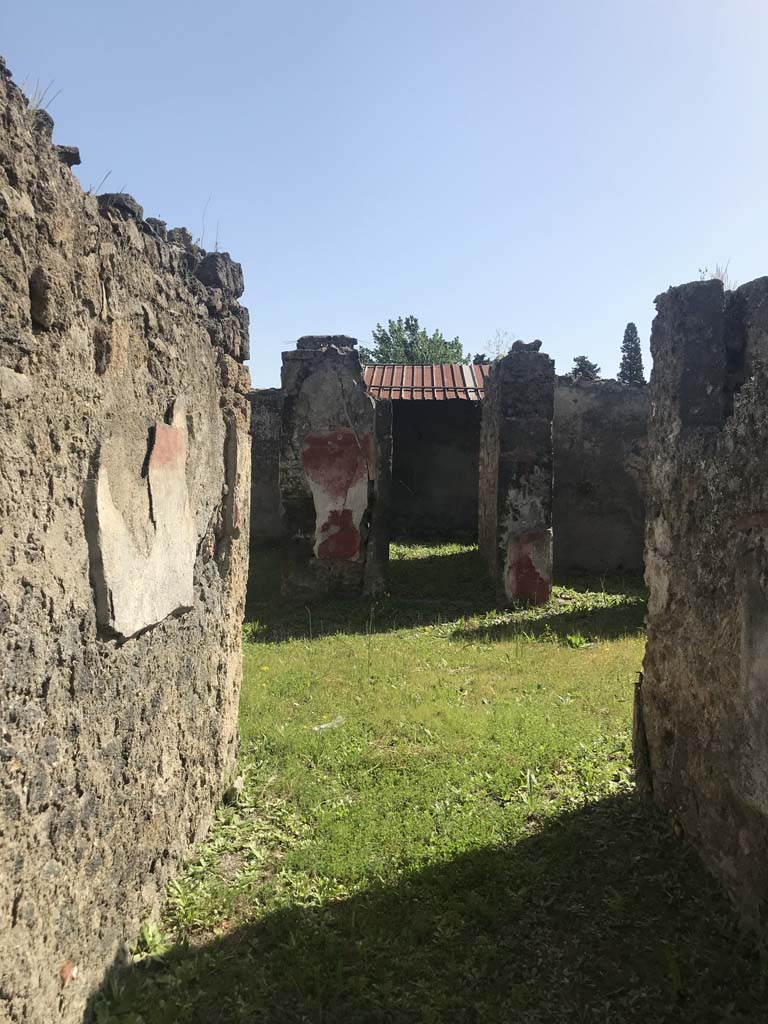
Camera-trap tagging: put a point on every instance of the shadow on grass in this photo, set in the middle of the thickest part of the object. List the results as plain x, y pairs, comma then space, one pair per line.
563, 622
602, 916
422, 591
440, 588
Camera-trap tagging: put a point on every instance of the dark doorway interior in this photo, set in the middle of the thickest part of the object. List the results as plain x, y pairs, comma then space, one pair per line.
435, 469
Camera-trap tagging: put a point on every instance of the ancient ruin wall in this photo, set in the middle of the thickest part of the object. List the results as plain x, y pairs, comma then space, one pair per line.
124, 464
335, 472
701, 731
598, 502
266, 414
515, 507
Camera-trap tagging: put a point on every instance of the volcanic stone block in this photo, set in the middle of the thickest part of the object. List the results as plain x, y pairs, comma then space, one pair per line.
515, 513
335, 468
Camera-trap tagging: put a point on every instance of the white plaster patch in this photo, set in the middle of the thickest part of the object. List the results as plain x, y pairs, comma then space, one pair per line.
661, 537
137, 590
657, 578
13, 386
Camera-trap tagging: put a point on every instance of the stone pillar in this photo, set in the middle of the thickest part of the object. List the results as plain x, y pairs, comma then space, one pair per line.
266, 413
335, 468
701, 717
515, 515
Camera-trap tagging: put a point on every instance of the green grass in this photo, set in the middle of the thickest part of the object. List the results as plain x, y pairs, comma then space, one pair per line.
437, 824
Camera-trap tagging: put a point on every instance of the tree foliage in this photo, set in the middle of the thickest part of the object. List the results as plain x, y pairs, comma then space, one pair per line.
631, 368
585, 369
405, 341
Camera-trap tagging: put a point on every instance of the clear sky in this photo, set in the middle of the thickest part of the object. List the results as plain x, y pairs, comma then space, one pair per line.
544, 168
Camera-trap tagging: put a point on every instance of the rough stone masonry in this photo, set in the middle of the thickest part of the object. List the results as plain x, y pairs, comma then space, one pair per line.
124, 467
515, 507
335, 472
266, 413
598, 502
701, 723
599, 441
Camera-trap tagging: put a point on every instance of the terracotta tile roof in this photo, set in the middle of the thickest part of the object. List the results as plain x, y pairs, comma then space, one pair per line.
436, 382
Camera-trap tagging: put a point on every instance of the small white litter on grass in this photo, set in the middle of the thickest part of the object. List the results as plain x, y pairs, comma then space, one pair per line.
338, 720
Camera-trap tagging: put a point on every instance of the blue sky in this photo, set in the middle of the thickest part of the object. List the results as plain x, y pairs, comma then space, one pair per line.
543, 168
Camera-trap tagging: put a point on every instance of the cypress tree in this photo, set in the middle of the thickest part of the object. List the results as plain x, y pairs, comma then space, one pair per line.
631, 368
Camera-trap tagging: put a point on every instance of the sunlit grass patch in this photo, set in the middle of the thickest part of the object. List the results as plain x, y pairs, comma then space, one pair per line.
437, 823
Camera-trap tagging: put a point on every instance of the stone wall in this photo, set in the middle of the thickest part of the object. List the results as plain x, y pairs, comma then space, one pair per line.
701, 729
598, 503
435, 450
266, 413
124, 469
335, 472
515, 508
599, 437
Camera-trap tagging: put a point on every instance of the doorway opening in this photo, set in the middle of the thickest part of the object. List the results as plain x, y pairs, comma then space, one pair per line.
435, 447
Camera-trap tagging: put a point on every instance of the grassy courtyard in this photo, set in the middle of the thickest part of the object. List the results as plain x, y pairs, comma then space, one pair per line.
436, 824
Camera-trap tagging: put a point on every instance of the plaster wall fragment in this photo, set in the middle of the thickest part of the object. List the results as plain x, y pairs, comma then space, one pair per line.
337, 465
137, 590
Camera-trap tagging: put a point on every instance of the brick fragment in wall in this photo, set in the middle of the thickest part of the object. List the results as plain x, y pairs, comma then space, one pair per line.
335, 465
123, 554
701, 719
516, 460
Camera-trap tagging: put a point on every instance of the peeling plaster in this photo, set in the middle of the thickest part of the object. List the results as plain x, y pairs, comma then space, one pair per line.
137, 590
336, 465
528, 567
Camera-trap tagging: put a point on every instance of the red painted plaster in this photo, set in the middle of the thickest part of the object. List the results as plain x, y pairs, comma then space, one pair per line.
343, 541
523, 578
170, 447
336, 461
